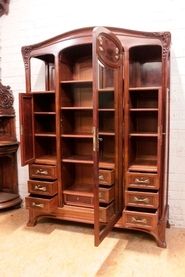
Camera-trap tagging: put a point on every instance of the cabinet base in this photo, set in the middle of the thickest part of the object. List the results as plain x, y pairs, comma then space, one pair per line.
8, 200
83, 215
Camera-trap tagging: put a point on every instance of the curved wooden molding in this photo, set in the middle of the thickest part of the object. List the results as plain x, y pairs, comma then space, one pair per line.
4, 7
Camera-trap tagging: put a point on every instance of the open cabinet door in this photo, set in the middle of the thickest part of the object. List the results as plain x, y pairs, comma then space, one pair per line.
107, 131
26, 128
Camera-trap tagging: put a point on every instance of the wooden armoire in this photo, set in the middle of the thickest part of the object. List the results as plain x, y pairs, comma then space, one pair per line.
95, 131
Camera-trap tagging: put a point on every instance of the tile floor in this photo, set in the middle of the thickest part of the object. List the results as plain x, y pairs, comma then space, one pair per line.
63, 249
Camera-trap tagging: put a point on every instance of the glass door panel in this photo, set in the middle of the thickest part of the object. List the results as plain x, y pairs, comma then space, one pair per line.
107, 147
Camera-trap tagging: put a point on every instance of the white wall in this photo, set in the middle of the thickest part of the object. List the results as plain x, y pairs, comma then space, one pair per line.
31, 21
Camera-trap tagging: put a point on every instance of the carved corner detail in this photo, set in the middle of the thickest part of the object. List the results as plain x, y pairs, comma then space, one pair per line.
165, 38
6, 101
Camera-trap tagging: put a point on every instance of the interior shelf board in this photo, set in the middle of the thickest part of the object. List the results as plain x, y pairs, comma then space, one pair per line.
45, 134
106, 110
147, 164
77, 135
106, 133
43, 92
76, 108
143, 134
79, 159
144, 109
83, 189
45, 113
75, 81
47, 159
143, 88
106, 89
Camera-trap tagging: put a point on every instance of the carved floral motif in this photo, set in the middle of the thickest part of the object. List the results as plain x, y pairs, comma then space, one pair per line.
165, 38
108, 50
6, 101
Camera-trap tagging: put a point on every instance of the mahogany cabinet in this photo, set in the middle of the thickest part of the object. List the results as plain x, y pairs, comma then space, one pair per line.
95, 129
9, 196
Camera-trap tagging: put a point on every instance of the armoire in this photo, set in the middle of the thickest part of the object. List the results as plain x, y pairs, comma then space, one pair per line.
94, 128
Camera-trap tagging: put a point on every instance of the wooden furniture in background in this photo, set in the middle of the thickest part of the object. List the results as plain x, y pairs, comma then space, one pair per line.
9, 196
4, 7
96, 133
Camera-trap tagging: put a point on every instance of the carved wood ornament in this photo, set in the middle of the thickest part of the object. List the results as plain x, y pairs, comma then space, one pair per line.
4, 7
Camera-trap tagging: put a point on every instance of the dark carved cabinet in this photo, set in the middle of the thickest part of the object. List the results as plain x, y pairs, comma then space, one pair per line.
9, 196
95, 129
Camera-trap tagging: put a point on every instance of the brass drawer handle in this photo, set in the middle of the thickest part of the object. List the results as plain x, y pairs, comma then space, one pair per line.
40, 188
100, 195
41, 171
142, 181
37, 205
101, 177
136, 199
144, 221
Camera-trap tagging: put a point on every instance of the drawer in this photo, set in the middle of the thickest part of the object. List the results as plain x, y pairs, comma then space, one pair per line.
42, 204
106, 177
106, 213
37, 171
142, 180
42, 187
79, 200
134, 218
142, 199
106, 195
83, 195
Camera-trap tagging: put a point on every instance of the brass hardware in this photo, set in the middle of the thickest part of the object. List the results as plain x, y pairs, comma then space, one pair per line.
100, 40
22, 130
95, 139
100, 195
101, 177
101, 48
144, 221
142, 181
37, 205
40, 188
41, 171
77, 198
136, 199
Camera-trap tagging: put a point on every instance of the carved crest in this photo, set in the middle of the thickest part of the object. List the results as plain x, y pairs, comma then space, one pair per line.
108, 50
6, 101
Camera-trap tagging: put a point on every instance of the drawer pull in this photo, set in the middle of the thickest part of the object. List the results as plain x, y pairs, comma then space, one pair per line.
41, 171
101, 177
100, 195
37, 205
144, 221
136, 199
142, 181
40, 188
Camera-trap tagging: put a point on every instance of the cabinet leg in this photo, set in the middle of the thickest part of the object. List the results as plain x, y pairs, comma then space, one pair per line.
32, 219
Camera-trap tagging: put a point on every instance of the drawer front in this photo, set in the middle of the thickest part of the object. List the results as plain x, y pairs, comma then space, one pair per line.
136, 219
142, 199
42, 172
106, 213
106, 177
139, 180
42, 187
79, 200
41, 204
106, 195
